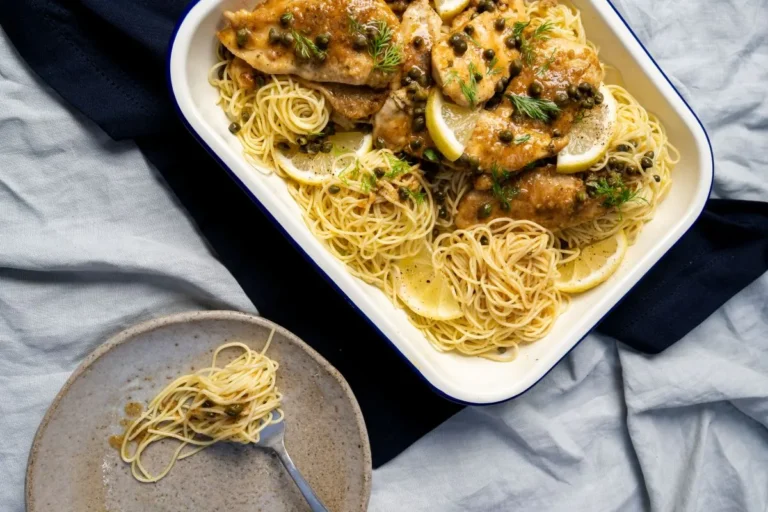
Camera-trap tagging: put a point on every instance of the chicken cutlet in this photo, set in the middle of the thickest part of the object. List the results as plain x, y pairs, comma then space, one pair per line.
354, 42
541, 195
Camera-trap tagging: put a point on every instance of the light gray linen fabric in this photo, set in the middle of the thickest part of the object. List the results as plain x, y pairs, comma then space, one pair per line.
91, 242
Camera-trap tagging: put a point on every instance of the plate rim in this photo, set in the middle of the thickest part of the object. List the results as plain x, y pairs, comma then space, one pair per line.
188, 317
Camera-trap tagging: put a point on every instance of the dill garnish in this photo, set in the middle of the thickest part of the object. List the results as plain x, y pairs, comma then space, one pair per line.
304, 47
522, 140
543, 69
418, 197
368, 182
469, 88
386, 55
431, 155
539, 34
535, 108
613, 191
503, 192
396, 166
492, 69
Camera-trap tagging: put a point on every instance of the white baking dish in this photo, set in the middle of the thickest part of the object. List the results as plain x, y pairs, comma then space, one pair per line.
463, 379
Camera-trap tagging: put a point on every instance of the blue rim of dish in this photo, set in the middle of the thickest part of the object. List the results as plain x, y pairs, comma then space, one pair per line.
191, 5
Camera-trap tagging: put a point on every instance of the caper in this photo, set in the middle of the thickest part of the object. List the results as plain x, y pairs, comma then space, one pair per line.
535, 89
359, 42
561, 98
613, 162
246, 114
418, 124
442, 212
649, 154
327, 147
423, 80
234, 410
509, 42
460, 48
421, 96
623, 148
415, 72
301, 141
489, 6
379, 172
499, 87
488, 54
418, 42
506, 136
478, 77
657, 178
334, 189
322, 41
454, 40
474, 163
314, 148
485, 211
469, 30
303, 149
406, 80
416, 144
586, 88
286, 20
286, 39
274, 36
573, 92
439, 197
646, 163
599, 98
588, 103
482, 6
403, 193
501, 350
379, 143
418, 111
234, 127
515, 68
557, 133
241, 37
499, 24
483, 240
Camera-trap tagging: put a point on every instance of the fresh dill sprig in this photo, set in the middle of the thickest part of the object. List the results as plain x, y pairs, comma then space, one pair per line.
492, 69
469, 88
368, 182
353, 171
535, 108
396, 166
386, 55
545, 67
522, 140
614, 191
526, 44
305, 48
503, 192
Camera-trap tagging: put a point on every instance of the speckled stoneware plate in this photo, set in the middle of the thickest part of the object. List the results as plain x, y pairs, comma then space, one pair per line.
73, 467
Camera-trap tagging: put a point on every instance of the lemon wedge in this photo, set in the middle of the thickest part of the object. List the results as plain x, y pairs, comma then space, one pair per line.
316, 169
425, 290
589, 137
449, 125
448, 9
595, 264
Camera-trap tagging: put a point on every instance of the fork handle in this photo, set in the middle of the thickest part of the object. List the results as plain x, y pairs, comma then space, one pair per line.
314, 502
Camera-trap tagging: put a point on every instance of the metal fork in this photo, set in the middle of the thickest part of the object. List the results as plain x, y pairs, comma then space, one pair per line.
273, 437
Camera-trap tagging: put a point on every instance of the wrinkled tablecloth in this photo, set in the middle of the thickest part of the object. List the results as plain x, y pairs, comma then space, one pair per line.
92, 242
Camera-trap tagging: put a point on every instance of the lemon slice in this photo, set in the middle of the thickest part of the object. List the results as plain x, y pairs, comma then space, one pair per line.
448, 9
449, 125
425, 290
590, 137
595, 264
317, 168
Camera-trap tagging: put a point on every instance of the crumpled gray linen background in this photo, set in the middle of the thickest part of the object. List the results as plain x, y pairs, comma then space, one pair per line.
92, 242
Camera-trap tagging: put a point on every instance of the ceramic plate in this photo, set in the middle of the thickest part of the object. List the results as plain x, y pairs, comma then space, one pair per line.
73, 467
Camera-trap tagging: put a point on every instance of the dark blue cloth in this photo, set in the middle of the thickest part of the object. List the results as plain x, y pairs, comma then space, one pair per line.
107, 58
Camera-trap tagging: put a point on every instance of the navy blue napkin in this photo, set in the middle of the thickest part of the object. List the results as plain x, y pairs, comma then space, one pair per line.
107, 58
